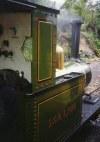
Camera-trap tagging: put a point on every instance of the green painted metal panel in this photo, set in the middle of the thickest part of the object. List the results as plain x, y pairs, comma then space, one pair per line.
44, 50
58, 114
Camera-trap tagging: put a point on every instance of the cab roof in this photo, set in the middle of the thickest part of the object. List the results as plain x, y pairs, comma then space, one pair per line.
23, 5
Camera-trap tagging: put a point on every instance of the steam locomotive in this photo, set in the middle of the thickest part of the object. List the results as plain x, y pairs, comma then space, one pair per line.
40, 91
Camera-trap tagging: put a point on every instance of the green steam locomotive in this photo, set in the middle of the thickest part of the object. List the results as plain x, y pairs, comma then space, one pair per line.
40, 91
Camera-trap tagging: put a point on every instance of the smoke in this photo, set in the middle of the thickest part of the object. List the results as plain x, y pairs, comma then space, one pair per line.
58, 3
65, 19
64, 30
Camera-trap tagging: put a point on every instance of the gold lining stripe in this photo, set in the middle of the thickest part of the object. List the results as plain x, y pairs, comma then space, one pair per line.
51, 98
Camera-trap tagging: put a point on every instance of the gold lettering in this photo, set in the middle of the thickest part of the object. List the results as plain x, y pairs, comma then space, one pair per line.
61, 116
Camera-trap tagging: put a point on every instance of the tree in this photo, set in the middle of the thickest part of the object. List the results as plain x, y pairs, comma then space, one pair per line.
86, 10
98, 18
69, 4
91, 16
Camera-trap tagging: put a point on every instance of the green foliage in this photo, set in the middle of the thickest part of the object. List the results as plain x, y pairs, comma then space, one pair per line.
93, 41
98, 20
69, 4
97, 42
86, 11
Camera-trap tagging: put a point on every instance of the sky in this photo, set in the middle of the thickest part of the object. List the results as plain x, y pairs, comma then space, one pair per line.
58, 2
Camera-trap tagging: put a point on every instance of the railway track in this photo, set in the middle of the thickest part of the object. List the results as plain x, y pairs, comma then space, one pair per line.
95, 91
92, 97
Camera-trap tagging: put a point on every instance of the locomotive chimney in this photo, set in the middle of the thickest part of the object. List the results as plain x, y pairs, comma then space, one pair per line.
76, 25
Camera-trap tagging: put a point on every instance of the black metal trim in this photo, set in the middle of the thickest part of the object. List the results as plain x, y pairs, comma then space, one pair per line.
21, 3
31, 5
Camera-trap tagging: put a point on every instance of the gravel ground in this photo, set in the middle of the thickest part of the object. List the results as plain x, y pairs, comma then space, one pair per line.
95, 82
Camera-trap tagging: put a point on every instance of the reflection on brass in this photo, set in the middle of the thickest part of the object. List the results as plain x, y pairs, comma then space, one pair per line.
59, 57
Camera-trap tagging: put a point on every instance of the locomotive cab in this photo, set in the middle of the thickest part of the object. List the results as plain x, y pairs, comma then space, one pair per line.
38, 96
